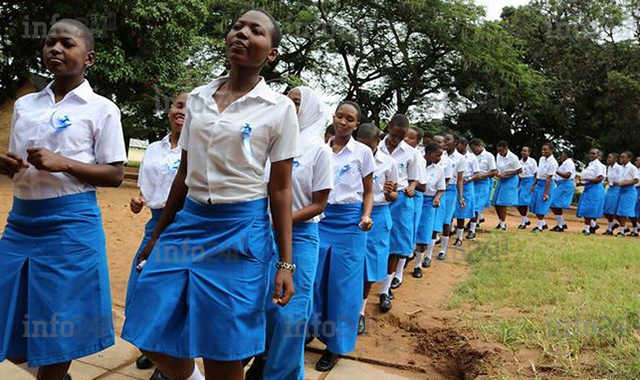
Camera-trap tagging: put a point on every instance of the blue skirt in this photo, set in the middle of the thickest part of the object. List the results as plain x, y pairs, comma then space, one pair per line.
591, 203
440, 212
524, 191
134, 274
427, 222
417, 214
538, 206
401, 240
506, 193
468, 212
339, 287
377, 252
451, 197
287, 326
611, 200
482, 190
638, 203
563, 195
206, 282
627, 202
54, 281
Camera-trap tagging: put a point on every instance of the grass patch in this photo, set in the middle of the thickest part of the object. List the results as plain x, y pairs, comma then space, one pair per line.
572, 297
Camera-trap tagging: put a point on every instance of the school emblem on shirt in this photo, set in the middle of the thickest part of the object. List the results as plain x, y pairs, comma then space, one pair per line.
174, 165
375, 178
401, 168
60, 121
246, 138
296, 163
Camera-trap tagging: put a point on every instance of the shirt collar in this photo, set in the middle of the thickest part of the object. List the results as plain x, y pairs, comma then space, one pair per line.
350, 145
166, 141
83, 92
261, 90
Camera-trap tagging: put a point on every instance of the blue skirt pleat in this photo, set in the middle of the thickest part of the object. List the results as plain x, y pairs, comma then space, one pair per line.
482, 189
563, 195
524, 191
206, 283
468, 212
377, 252
591, 203
54, 281
627, 202
401, 240
506, 193
538, 206
427, 222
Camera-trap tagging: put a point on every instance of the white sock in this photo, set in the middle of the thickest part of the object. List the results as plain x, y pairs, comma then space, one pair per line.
430, 248
419, 257
544, 222
400, 269
503, 224
472, 226
386, 285
610, 228
459, 233
480, 217
524, 220
444, 244
196, 375
364, 305
635, 229
586, 228
33, 371
593, 223
560, 220
540, 224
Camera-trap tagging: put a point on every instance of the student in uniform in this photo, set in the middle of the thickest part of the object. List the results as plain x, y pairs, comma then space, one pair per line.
627, 179
543, 186
427, 138
484, 184
506, 193
205, 272
413, 138
312, 181
613, 192
401, 242
446, 165
455, 189
329, 133
339, 280
565, 189
527, 177
467, 209
157, 171
636, 221
435, 187
385, 191
591, 203
65, 141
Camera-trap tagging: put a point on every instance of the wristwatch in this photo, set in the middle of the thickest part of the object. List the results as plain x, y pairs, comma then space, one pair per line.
286, 266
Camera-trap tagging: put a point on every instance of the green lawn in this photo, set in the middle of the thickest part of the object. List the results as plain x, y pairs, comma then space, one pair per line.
568, 295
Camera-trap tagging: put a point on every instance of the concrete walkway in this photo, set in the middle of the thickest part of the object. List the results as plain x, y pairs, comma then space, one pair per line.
118, 363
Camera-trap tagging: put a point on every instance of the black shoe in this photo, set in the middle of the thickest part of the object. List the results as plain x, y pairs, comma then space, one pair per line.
481, 221
557, 229
326, 362
417, 272
442, 256
385, 303
536, 230
586, 233
426, 262
608, 233
157, 375
594, 229
467, 226
565, 227
144, 362
391, 295
458, 242
615, 225
621, 233
501, 228
522, 227
256, 371
633, 234
409, 259
395, 283
471, 235
545, 227
362, 325
67, 377
438, 241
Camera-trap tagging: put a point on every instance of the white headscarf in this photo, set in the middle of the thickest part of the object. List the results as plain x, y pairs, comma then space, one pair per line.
312, 118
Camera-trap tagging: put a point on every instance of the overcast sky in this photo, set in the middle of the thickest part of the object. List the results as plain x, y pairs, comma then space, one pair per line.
494, 7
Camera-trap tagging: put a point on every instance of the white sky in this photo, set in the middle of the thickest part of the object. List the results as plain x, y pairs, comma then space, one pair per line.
494, 7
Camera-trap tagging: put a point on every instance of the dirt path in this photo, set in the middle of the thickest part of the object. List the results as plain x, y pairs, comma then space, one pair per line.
419, 334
